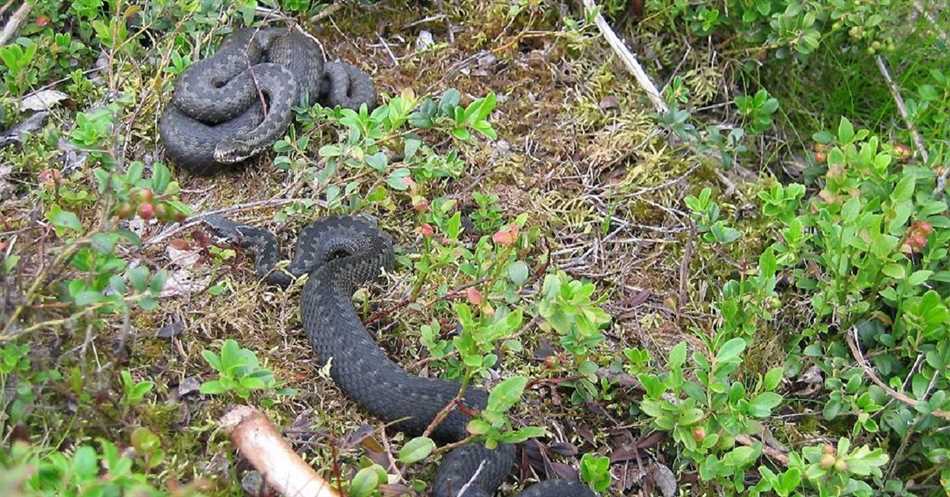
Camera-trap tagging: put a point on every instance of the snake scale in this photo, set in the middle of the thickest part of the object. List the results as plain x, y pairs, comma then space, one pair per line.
216, 116
339, 254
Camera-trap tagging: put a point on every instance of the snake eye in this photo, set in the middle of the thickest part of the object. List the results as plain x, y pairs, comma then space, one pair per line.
338, 253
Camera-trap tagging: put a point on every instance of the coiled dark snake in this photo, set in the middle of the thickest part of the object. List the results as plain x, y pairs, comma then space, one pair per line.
339, 254
217, 117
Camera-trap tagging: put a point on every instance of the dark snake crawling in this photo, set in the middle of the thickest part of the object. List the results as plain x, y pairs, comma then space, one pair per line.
339, 254
216, 116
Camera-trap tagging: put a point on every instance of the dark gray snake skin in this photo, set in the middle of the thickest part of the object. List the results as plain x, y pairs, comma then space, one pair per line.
216, 116
339, 254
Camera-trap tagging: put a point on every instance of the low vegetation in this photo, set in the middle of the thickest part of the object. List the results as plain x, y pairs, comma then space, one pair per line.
745, 295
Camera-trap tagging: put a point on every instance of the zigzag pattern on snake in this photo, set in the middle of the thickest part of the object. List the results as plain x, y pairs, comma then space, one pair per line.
216, 116
339, 254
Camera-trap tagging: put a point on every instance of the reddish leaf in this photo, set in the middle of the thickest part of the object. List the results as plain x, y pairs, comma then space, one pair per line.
507, 236
474, 296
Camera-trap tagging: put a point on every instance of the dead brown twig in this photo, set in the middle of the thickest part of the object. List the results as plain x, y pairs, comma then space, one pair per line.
444, 413
852, 339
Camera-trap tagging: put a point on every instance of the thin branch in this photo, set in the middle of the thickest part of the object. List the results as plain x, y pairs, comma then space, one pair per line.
13, 24
852, 339
327, 12
446, 410
902, 109
777, 455
628, 58
942, 181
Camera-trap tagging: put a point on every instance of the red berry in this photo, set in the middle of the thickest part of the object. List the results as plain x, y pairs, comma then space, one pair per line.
146, 211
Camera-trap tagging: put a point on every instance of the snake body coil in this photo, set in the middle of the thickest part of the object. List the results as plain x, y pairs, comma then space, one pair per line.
232, 106
339, 254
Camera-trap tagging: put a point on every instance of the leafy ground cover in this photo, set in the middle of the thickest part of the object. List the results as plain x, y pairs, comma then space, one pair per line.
745, 295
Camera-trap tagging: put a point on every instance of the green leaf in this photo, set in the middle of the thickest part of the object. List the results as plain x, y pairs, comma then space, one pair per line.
487, 106
364, 483
851, 209
450, 99
773, 377
506, 394
904, 190
653, 386
231, 356
788, 481
478, 426
161, 177
518, 272
65, 219
399, 179
138, 276
104, 242
416, 450
836, 157
678, 356
522, 434
730, 350
823, 137
762, 405
328, 151
690, 416
212, 387
845, 131
378, 161
453, 226
486, 129
411, 146
595, 471
896, 271
919, 277
85, 463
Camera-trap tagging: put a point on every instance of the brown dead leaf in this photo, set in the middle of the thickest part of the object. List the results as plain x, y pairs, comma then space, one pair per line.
358, 436
395, 490
663, 479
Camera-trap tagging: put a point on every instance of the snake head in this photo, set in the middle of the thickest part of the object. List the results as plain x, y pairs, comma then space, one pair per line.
234, 151
227, 229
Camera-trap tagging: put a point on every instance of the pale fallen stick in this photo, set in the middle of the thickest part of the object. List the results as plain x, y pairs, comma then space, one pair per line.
902, 109
13, 24
261, 444
628, 59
